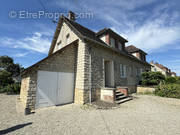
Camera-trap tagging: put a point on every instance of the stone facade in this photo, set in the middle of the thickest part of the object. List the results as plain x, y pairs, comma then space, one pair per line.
24, 90
86, 60
99, 54
61, 40
82, 73
63, 61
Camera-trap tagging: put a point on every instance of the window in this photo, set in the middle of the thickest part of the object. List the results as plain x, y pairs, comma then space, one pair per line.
58, 45
122, 70
112, 42
141, 71
137, 71
119, 46
67, 39
131, 71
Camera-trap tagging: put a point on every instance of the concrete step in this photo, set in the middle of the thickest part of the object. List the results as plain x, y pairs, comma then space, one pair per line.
119, 94
123, 100
121, 97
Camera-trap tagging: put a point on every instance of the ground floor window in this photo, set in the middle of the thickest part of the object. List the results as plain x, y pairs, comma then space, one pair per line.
122, 70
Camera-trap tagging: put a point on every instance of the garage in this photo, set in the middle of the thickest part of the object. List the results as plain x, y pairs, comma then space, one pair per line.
54, 88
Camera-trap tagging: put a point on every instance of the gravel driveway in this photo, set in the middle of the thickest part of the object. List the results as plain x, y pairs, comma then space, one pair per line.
144, 115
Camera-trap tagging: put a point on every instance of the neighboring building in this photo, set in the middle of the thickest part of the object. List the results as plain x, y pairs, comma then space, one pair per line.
156, 67
173, 74
138, 53
81, 66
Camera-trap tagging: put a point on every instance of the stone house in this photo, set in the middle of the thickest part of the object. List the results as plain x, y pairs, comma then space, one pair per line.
82, 66
156, 67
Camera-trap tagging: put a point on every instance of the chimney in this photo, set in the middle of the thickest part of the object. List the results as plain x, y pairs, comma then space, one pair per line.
71, 16
152, 62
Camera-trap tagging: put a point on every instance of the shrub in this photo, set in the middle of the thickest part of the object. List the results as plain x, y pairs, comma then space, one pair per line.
12, 88
171, 80
168, 90
152, 78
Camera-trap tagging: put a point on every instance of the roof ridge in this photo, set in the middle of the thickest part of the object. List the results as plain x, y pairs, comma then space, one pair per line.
79, 25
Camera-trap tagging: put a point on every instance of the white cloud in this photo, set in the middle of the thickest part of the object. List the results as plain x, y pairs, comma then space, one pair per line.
34, 42
152, 36
20, 54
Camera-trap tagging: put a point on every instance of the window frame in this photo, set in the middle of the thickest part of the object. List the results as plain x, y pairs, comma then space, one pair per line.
120, 44
112, 39
123, 71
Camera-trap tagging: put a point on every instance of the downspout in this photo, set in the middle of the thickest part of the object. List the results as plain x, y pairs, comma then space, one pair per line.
90, 83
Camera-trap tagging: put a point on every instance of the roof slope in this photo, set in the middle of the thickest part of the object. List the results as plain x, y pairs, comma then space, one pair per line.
87, 34
80, 30
132, 48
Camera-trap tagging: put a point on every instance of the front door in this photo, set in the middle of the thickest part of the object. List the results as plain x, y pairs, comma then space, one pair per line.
109, 73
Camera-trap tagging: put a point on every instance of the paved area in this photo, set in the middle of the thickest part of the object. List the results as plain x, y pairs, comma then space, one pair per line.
145, 115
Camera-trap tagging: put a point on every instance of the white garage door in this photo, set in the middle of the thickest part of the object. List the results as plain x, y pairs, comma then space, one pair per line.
54, 88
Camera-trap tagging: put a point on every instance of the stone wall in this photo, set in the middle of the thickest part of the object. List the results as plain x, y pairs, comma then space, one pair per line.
141, 89
99, 54
62, 61
82, 77
24, 89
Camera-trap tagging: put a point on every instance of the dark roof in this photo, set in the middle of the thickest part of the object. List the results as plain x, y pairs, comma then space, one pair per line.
79, 29
108, 30
132, 48
87, 34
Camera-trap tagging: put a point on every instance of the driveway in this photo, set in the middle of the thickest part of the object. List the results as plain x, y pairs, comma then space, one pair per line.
144, 115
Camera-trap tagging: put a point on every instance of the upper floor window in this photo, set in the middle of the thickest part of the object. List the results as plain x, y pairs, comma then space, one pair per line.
142, 57
67, 39
112, 42
59, 45
119, 46
122, 70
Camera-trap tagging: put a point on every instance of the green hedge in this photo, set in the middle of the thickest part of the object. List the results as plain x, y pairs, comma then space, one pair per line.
171, 79
152, 78
168, 90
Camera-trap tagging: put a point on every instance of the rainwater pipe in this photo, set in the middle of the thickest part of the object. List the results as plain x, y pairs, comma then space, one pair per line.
90, 83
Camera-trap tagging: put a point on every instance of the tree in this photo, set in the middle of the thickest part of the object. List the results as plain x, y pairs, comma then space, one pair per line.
7, 63
5, 78
152, 78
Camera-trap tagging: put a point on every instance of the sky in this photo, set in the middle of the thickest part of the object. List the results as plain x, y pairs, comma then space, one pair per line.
27, 29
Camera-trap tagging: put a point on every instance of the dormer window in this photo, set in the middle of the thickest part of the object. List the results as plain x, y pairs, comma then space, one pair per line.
112, 42
119, 46
67, 39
